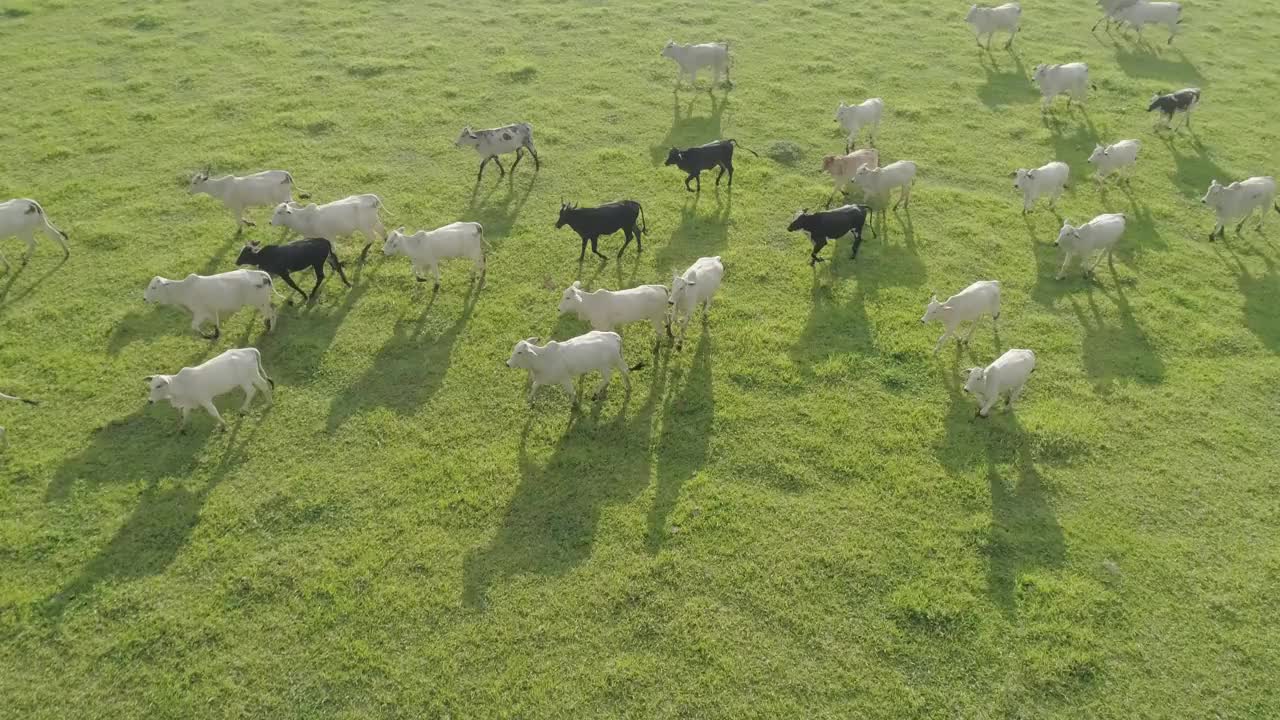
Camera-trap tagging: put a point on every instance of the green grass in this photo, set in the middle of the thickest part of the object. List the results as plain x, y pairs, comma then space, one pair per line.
796, 516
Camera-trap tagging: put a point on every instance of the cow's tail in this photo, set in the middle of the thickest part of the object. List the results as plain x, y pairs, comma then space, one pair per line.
257, 356
302, 194
1277, 207
268, 283
637, 366
33, 208
484, 241
644, 224
744, 147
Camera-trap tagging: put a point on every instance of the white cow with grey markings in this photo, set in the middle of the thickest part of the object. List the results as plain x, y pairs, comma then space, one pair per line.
193, 387
493, 142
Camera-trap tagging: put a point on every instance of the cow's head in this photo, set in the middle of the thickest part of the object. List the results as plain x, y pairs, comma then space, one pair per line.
523, 354
828, 161
154, 289
934, 310
161, 388
198, 182
975, 380
1022, 178
248, 254
281, 214
680, 286
1067, 232
394, 244
565, 210
841, 110
1040, 70
673, 157
466, 138
863, 173
797, 222
669, 50
571, 299
1098, 153
973, 10
1211, 195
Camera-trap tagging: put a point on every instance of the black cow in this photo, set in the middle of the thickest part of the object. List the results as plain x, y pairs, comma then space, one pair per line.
704, 157
831, 224
291, 257
1182, 101
590, 223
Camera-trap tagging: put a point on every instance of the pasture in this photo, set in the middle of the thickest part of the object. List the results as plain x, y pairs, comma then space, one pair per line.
796, 516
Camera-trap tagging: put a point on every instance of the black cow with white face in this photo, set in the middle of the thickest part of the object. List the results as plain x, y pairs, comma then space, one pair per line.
831, 224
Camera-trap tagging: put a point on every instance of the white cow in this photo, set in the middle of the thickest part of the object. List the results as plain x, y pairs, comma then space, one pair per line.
697, 285
561, 362
264, 189
348, 216
1116, 157
1111, 11
990, 20
426, 248
1070, 79
1238, 200
24, 218
209, 297
968, 305
1047, 180
880, 182
1006, 376
606, 309
855, 117
499, 141
194, 387
4, 438
1143, 13
692, 58
842, 168
1099, 234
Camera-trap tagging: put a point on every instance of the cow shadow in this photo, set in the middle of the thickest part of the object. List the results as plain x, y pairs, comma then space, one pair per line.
136, 325
1004, 86
1073, 142
157, 528
697, 235
1024, 533
1169, 65
16, 270
498, 206
1142, 234
834, 327
550, 524
688, 415
1194, 170
293, 353
1110, 352
1261, 297
688, 129
889, 259
409, 368
217, 261
1040, 237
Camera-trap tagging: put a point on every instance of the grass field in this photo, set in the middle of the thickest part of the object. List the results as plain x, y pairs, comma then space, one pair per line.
796, 516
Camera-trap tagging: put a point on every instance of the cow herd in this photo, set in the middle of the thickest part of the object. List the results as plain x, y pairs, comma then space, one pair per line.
210, 298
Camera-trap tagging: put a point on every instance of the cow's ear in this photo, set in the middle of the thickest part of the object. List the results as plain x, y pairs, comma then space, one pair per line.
1013, 174
149, 378
946, 307
1031, 174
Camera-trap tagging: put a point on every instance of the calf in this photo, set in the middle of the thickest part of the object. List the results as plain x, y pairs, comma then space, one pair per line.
1006, 376
208, 297
280, 260
1050, 180
990, 20
695, 160
829, 225
493, 142
1117, 157
4, 438
592, 222
696, 286
1143, 13
1238, 201
1100, 233
1183, 101
426, 248
855, 117
24, 218
264, 189
350, 215
692, 58
880, 182
1070, 79
968, 305
842, 168
606, 309
194, 387
559, 363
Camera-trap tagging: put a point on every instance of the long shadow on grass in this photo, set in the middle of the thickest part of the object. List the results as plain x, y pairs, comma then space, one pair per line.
687, 418
1168, 65
496, 206
408, 370
688, 129
1073, 135
1261, 298
16, 269
1141, 232
292, 353
164, 518
1194, 165
550, 525
835, 327
1110, 352
1024, 533
697, 235
1005, 86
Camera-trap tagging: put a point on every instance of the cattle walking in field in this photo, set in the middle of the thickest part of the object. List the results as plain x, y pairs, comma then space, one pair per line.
560, 363
23, 218
493, 142
831, 224
990, 20
1099, 234
1118, 157
695, 160
1238, 201
209, 297
265, 189
197, 387
348, 216
1048, 180
426, 248
853, 118
592, 222
1070, 79
692, 58
968, 305
880, 182
1006, 376
4, 438
280, 260
842, 168
607, 309
1182, 101
1143, 13
693, 288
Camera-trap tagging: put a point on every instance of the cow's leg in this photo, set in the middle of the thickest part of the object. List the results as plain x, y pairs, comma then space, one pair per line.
319, 268
583, 254
337, 265
268, 315
483, 162
626, 373
501, 170
1062, 271
1009, 44
606, 373
698, 178
5, 260
1214, 233
567, 384
627, 234
435, 269
519, 157
209, 408
533, 387
988, 402
249, 392
289, 281
263, 385
1015, 394
29, 237
942, 340
184, 414
594, 251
